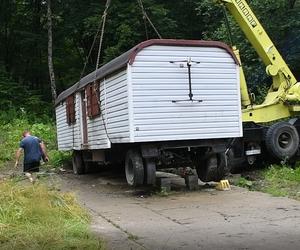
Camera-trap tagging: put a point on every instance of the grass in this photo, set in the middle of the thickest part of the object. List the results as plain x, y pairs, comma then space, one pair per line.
11, 136
133, 237
282, 181
34, 217
275, 180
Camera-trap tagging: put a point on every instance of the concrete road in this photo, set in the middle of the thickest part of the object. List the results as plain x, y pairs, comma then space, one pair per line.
204, 219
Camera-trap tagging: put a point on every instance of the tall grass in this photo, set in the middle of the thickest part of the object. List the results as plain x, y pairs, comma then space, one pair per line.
10, 137
34, 217
282, 181
276, 180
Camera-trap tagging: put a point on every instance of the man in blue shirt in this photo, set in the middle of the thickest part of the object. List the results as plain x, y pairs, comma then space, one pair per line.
34, 150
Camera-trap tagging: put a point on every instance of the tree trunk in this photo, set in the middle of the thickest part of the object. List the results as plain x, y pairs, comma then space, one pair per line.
292, 3
50, 49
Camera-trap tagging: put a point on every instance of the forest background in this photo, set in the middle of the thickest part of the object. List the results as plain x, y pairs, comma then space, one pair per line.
24, 75
26, 98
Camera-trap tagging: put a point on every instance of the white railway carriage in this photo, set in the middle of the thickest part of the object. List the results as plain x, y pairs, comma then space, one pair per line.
164, 103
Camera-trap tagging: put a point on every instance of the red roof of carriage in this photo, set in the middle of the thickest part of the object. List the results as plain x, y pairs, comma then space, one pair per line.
129, 57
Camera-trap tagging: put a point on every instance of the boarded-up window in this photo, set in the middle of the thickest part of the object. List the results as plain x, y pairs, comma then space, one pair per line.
70, 109
92, 96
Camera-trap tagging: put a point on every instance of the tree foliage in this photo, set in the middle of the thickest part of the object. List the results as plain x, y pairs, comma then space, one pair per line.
23, 36
17, 100
281, 21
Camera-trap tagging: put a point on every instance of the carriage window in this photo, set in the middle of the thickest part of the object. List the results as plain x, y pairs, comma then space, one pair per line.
70, 109
93, 100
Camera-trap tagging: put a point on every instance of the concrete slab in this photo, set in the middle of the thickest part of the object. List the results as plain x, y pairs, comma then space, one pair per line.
207, 219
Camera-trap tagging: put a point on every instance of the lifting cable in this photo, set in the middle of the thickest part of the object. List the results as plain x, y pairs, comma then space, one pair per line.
146, 28
146, 17
101, 27
97, 89
227, 24
102, 31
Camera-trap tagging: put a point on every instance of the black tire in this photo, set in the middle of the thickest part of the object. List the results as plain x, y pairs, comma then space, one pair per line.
150, 172
78, 163
234, 167
212, 167
134, 168
282, 140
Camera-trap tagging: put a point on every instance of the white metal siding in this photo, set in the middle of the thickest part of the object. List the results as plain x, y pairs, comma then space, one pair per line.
156, 82
136, 103
116, 90
97, 138
68, 136
114, 114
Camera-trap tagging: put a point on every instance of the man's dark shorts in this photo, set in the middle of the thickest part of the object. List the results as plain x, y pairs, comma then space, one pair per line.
32, 167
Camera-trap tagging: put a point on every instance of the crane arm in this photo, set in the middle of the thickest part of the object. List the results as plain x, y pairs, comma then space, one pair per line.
285, 87
259, 38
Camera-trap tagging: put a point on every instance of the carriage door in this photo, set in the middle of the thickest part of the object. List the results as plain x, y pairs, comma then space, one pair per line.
84, 118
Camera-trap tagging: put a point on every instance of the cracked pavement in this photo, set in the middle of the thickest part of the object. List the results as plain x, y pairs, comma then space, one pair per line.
206, 219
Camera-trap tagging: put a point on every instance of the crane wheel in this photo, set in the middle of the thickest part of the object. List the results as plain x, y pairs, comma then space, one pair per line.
134, 168
282, 140
78, 163
212, 167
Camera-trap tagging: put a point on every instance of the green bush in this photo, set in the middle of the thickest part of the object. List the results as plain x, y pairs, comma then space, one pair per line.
12, 134
10, 138
59, 158
243, 182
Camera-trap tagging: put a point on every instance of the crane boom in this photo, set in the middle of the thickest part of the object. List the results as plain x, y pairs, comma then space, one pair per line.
285, 88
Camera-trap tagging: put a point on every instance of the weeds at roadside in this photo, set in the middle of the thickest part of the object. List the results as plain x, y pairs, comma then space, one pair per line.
282, 181
9, 141
163, 192
243, 182
133, 237
276, 180
35, 217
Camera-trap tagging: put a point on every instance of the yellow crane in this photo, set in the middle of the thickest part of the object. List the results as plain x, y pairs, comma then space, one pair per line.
284, 92
282, 138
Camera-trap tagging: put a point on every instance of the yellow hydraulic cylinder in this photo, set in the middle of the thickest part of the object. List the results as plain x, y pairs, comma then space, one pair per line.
243, 85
